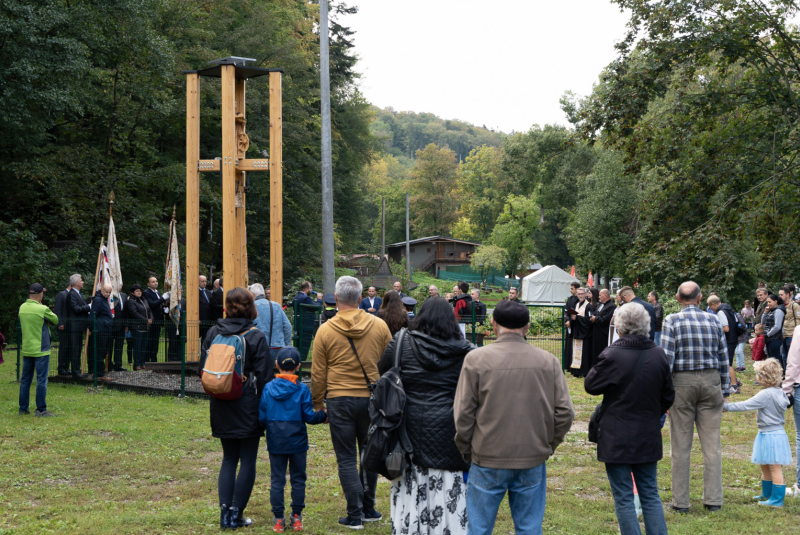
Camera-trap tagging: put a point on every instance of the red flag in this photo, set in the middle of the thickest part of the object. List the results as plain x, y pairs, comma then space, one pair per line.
590, 282
573, 271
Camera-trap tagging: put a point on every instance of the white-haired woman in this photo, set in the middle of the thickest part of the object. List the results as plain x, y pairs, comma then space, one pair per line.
634, 378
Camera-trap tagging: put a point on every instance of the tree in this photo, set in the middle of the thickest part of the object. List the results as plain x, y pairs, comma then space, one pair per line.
515, 232
434, 207
482, 189
488, 258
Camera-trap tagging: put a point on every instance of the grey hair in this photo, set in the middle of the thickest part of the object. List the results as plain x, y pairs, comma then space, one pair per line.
633, 319
73, 279
348, 290
257, 289
475, 291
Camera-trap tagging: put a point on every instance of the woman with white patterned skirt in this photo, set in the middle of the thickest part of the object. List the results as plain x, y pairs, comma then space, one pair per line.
430, 498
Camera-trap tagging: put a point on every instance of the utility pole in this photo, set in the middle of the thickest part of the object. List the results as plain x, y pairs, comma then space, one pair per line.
408, 247
383, 228
328, 276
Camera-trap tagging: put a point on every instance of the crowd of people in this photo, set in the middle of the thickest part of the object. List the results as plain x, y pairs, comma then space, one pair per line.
464, 457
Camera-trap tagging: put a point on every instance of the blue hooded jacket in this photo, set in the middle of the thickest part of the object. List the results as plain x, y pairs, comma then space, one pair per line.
285, 409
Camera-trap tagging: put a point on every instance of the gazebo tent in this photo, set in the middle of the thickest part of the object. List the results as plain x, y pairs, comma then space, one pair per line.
548, 285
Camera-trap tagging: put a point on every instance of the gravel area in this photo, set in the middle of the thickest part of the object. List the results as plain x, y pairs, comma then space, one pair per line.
151, 379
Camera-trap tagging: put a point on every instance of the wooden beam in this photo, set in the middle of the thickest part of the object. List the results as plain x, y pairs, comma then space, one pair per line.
205, 165
229, 177
253, 165
193, 215
241, 239
276, 187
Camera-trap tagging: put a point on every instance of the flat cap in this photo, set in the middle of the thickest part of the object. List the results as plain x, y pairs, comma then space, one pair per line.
511, 315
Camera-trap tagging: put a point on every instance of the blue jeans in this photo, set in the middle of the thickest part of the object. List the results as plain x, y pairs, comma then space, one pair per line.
297, 476
796, 408
773, 348
657, 338
740, 355
787, 342
527, 491
29, 364
646, 474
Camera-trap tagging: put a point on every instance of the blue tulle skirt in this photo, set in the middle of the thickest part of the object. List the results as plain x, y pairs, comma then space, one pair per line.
772, 448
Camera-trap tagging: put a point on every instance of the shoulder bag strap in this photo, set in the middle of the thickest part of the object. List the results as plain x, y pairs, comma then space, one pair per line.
269, 343
398, 346
366, 377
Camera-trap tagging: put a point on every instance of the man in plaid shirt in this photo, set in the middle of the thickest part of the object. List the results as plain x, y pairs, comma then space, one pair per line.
694, 342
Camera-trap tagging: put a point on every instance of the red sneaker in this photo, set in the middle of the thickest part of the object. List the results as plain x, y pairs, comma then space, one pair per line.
280, 525
297, 522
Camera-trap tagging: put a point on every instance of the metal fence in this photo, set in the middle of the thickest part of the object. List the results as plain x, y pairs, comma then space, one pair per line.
546, 330
125, 354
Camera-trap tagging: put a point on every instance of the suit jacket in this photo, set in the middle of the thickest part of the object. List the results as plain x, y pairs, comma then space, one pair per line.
77, 310
120, 307
365, 304
102, 311
217, 303
206, 310
60, 307
650, 310
304, 299
156, 303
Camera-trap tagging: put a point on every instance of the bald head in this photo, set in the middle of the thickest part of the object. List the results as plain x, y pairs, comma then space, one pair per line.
689, 293
605, 295
106, 290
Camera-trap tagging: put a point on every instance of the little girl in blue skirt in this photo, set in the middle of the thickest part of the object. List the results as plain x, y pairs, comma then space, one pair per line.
771, 448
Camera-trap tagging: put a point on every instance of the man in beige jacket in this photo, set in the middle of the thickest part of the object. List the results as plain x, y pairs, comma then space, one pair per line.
512, 410
340, 374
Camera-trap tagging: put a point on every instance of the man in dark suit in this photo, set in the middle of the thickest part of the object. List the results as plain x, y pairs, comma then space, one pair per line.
77, 314
206, 312
372, 302
102, 328
628, 296
398, 287
156, 303
307, 317
218, 301
60, 310
118, 329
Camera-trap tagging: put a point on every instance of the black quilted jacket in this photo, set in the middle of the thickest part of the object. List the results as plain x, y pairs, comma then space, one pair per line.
430, 369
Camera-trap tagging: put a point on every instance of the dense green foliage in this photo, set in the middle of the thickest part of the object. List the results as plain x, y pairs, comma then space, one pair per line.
94, 100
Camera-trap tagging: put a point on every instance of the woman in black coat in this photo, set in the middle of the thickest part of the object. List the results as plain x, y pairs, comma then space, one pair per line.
432, 490
630, 430
140, 317
235, 422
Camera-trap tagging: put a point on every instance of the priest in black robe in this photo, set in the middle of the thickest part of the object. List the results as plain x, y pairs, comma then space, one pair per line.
602, 323
580, 320
572, 301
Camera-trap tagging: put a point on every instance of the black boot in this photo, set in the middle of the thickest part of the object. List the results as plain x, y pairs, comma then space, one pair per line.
224, 517
238, 520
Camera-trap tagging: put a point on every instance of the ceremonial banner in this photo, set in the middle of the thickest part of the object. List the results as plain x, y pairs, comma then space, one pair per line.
590, 281
112, 273
172, 278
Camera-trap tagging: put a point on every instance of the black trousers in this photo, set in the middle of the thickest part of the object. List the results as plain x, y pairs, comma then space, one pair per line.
154, 337
348, 419
234, 490
64, 350
117, 342
102, 343
76, 346
173, 335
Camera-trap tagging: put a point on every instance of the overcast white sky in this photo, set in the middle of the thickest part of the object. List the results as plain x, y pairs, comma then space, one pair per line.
502, 63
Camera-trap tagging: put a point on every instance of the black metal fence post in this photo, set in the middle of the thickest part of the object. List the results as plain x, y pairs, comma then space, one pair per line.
563, 339
474, 327
19, 347
183, 355
94, 347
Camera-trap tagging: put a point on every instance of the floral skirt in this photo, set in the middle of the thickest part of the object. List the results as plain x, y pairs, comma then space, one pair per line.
426, 501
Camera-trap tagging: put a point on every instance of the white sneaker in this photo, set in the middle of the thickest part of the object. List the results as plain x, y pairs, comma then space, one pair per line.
794, 491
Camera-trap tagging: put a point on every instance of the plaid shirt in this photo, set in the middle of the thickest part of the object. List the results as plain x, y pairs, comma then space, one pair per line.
694, 340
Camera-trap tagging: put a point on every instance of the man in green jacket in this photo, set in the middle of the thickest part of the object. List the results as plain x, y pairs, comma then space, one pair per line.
34, 318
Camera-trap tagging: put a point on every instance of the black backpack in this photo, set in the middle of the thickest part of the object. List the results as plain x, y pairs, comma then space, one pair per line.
387, 450
741, 328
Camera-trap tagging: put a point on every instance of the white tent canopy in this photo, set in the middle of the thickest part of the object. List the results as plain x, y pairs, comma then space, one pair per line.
548, 285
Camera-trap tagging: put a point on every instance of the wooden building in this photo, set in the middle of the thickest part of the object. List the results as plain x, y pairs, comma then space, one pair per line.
433, 253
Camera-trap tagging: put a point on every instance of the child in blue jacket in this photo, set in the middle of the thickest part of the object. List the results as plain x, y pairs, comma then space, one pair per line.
285, 409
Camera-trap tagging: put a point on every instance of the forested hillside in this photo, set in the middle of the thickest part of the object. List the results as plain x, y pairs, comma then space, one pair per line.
93, 100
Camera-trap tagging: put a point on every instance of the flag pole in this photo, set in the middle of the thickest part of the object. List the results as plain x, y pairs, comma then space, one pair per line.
94, 290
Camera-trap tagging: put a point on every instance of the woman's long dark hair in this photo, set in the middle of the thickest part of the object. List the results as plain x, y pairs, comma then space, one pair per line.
393, 312
436, 319
595, 296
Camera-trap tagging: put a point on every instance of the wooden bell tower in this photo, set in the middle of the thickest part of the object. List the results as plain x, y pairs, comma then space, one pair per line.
232, 166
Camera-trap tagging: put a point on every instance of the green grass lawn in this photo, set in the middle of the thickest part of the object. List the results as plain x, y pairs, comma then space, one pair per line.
117, 462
